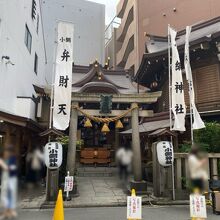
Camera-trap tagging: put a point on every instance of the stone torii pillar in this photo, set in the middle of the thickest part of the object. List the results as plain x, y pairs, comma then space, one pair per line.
138, 184
71, 155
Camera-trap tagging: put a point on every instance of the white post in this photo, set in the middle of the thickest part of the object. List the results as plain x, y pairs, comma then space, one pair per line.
170, 110
67, 191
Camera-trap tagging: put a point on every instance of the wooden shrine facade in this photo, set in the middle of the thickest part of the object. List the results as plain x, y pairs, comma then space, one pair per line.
204, 57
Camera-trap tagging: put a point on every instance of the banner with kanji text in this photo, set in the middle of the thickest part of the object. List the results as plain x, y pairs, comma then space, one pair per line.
177, 102
63, 76
197, 121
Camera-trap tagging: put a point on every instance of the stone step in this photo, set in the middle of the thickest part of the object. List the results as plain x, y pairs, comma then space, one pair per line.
95, 174
96, 171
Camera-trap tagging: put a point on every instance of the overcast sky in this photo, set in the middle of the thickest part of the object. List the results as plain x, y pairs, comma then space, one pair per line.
110, 7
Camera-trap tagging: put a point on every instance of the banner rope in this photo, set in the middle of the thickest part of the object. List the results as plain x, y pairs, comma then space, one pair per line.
104, 120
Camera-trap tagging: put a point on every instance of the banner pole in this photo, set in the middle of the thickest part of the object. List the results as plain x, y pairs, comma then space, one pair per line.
190, 96
170, 110
169, 73
191, 117
49, 176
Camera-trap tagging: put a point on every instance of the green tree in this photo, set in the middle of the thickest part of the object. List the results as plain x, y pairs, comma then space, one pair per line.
209, 137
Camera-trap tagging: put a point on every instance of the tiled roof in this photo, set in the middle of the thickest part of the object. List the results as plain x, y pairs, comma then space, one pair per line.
83, 76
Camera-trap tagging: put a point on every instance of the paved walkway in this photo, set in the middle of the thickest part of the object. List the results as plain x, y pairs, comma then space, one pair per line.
100, 191
93, 191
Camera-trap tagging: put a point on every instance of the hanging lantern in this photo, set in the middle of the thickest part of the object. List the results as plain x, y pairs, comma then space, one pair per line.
119, 124
153, 85
105, 128
87, 123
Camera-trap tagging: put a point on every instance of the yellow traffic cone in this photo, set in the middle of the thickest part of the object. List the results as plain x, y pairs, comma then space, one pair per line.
58, 211
133, 192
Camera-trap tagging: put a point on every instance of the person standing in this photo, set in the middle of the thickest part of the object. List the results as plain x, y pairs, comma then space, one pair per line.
198, 173
35, 161
124, 159
9, 183
4, 186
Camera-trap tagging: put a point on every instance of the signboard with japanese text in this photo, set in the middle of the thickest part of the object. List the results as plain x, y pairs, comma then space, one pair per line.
178, 103
165, 153
197, 206
63, 76
68, 183
53, 152
134, 207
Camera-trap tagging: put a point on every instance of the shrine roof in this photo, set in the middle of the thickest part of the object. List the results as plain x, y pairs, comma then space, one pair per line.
95, 77
204, 31
203, 39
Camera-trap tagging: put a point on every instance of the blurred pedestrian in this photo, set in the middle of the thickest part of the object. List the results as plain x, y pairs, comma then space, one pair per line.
4, 186
35, 160
124, 159
197, 168
9, 183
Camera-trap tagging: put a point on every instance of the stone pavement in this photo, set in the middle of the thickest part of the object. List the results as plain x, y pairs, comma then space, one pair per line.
93, 191
106, 191
97, 191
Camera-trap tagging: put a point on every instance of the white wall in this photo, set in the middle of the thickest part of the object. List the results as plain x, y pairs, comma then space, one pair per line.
89, 29
17, 80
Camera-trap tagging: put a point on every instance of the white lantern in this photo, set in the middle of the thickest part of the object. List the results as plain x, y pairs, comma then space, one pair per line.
53, 155
165, 153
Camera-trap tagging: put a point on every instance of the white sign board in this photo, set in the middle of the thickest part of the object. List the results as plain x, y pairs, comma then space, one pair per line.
197, 206
68, 184
53, 153
134, 207
165, 153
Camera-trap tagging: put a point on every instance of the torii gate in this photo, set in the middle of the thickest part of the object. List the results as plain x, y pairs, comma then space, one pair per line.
89, 83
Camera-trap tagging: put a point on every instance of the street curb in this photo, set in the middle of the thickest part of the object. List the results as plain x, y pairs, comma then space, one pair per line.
45, 206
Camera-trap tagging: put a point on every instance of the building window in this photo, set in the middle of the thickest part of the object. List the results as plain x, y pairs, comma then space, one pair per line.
38, 20
28, 38
35, 63
33, 10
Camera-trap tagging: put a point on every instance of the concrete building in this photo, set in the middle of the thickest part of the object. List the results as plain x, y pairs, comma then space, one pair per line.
141, 17
22, 67
22, 56
89, 29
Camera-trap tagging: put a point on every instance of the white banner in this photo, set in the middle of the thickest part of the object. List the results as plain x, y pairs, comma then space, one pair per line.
178, 104
63, 76
197, 122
